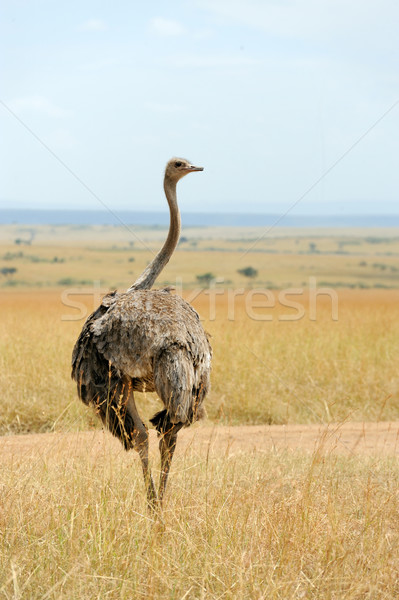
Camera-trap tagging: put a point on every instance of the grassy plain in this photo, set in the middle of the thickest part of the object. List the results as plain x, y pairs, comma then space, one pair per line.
251, 525
274, 525
281, 354
264, 371
113, 257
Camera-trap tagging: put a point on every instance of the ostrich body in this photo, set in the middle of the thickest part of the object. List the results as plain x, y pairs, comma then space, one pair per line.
146, 340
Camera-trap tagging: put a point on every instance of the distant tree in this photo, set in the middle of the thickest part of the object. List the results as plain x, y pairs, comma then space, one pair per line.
183, 240
8, 271
312, 247
20, 242
248, 272
206, 278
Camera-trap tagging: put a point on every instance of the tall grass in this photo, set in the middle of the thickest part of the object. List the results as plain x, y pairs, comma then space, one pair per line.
308, 371
264, 525
272, 525
263, 371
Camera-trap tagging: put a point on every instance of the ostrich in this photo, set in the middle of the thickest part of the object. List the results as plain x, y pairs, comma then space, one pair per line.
146, 340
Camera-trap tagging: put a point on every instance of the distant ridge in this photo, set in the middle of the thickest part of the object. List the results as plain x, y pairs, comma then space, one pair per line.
102, 217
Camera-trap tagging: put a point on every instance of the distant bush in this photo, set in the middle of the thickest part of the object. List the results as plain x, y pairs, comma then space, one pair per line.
31, 257
72, 281
8, 271
66, 281
19, 242
39, 259
248, 272
13, 283
206, 278
12, 255
376, 240
131, 259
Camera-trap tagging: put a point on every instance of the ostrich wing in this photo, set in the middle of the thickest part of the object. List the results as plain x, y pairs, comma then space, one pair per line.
133, 329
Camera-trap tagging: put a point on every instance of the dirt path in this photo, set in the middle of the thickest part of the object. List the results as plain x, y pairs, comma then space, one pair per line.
373, 439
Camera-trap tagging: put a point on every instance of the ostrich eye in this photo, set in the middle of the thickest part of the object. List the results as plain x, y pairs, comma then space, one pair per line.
178, 164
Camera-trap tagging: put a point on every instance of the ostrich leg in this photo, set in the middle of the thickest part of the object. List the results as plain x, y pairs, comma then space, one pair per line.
167, 445
140, 443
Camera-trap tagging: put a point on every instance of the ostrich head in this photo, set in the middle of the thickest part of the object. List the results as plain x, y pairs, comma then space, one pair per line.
178, 168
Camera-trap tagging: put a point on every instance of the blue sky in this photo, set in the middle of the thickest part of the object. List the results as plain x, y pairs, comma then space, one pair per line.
266, 95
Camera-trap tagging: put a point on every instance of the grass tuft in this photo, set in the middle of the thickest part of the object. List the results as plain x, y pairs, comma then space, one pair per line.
262, 525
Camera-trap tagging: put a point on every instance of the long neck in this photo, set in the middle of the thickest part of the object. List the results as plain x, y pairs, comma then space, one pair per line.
150, 273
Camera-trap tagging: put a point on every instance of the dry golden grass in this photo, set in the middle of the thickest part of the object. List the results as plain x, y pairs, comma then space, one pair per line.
278, 524
273, 525
309, 371
263, 371
283, 258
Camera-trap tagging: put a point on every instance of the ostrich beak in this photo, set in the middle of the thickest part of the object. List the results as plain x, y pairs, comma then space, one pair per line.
193, 168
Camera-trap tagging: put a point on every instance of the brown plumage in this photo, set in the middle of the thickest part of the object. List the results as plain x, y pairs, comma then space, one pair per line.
146, 340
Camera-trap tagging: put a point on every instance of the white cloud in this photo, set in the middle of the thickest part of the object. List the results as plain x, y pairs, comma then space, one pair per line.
40, 104
166, 27
93, 25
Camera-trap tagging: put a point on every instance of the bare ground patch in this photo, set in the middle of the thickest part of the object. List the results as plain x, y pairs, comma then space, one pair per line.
368, 439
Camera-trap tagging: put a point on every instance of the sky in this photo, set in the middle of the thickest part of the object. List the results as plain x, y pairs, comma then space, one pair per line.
289, 105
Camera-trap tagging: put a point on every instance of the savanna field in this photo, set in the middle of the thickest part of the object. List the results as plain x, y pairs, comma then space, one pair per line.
309, 337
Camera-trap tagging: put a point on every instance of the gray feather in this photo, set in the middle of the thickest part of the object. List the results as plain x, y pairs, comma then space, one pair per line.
152, 338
